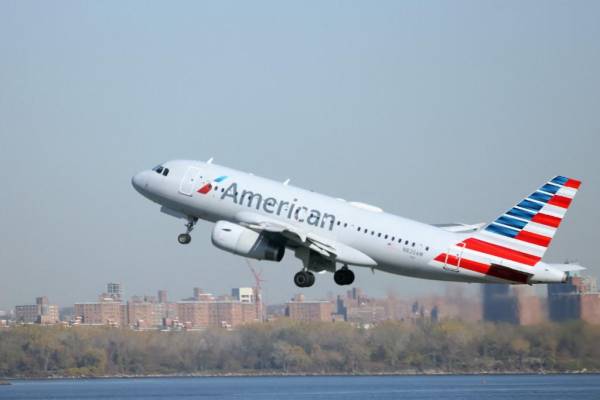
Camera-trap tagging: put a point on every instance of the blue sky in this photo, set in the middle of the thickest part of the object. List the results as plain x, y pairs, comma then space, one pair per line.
438, 111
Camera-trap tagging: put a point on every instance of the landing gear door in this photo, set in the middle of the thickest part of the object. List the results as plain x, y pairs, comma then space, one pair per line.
190, 181
454, 256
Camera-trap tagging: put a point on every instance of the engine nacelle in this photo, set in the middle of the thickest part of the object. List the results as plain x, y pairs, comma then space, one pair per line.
245, 242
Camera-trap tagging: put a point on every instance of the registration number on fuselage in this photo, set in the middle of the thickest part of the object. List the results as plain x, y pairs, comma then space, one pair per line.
413, 252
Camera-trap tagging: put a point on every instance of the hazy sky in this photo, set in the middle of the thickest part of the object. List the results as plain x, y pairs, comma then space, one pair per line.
438, 111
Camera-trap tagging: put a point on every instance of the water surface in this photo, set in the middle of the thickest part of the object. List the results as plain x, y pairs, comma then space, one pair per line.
480, 387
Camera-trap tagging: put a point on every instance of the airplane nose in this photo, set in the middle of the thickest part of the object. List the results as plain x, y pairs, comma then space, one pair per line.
139, 181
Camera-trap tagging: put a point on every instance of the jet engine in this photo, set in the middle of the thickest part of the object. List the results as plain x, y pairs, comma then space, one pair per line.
245, 242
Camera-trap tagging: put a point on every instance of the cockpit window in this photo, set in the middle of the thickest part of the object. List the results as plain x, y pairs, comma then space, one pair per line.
159, 169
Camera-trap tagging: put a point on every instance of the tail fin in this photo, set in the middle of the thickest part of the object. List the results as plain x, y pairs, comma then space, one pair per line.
528, 227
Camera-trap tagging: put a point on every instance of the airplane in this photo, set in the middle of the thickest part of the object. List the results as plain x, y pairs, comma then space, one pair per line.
261, 219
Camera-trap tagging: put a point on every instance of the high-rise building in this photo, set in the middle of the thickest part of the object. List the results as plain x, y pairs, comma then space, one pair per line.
578, 298
243, 294
530, 307
162, 296
215, 314
114, 290
27, 313
499, 303
108, 312
315, 310
143, 314
42, 312
193, 314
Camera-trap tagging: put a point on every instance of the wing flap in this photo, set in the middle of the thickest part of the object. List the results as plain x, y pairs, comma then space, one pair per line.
326, 247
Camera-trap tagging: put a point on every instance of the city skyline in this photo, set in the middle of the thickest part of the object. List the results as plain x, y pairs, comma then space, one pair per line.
577, 299
439, 114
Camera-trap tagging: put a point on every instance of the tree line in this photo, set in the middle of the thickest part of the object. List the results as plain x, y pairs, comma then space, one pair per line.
293, 347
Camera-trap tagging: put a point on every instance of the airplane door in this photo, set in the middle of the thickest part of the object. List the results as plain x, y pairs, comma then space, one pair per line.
190, 181
454, 252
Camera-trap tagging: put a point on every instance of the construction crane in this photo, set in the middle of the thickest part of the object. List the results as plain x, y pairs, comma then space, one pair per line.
258, 280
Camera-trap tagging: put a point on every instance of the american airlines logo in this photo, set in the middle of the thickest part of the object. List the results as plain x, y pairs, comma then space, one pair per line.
272, 205
208, 187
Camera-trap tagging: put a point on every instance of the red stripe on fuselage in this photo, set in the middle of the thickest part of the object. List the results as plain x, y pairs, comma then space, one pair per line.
560, 201
534, 238
501, 251
486, 269
546, 219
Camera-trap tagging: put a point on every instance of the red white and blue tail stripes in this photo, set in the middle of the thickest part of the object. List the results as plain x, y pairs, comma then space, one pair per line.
516, 241
530, 225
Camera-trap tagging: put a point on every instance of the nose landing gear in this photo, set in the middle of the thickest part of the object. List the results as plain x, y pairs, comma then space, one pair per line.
343, 276
185, 238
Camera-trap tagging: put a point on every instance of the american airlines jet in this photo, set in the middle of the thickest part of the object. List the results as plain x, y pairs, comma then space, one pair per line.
261, 218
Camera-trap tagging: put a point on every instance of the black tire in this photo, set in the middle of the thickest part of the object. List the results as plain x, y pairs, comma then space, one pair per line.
301, 279
343, 277
349, 277
184, 238
339, 276
311, 279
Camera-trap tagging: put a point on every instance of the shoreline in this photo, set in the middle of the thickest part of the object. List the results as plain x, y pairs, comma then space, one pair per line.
7, 380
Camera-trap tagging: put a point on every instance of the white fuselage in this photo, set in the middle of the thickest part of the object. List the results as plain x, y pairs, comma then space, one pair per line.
394, 244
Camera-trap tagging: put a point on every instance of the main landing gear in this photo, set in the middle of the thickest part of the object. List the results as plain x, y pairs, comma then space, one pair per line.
343, 276
185, 238
304, 279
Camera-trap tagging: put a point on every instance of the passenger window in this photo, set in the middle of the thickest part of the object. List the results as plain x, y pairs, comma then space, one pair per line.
406, 242
358, 229
427, 248
393, 238
372, 232
386, 236
413, 245
365, 230
345, 224
379, 234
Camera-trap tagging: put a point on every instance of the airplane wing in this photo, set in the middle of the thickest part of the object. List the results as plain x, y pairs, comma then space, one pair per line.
326, 247
460, 228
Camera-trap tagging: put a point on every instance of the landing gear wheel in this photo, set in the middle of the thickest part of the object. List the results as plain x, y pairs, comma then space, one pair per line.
304, 279
349, 277
338, 277
184, 238
311, 279
343, 276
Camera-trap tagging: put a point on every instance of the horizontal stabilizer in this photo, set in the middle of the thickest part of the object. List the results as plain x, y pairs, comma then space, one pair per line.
567, 267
